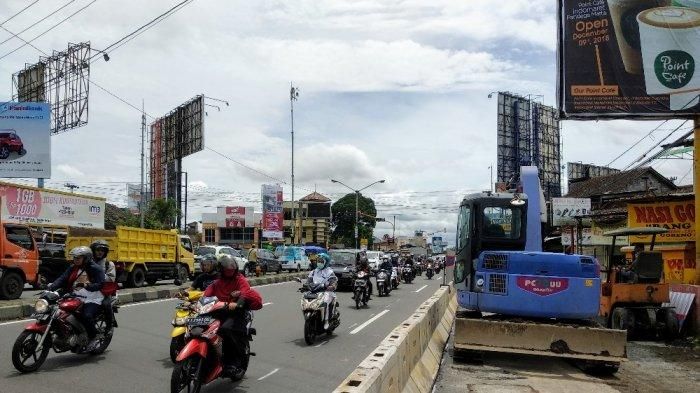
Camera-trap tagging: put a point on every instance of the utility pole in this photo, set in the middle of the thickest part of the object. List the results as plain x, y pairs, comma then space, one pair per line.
357, 220
491, 184
696, 181
143, 139
293, 96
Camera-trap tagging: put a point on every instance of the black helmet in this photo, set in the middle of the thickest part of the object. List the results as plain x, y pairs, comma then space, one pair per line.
100, 244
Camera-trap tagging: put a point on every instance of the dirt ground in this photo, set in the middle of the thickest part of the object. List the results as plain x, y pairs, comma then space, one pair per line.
652, 367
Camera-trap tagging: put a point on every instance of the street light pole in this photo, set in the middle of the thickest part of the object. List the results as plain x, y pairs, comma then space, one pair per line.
293, 96
357, 206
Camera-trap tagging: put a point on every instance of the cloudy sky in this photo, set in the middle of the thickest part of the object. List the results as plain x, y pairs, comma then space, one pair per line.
390, 89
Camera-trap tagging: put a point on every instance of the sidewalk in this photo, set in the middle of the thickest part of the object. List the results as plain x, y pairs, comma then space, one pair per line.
23, 307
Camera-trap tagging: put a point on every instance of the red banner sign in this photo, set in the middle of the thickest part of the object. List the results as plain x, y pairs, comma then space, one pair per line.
542, 286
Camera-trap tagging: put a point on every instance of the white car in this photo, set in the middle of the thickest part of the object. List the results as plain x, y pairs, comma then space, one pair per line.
218, 252
374, 258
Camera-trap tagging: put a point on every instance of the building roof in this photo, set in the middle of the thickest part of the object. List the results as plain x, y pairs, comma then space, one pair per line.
315, 197
615, 183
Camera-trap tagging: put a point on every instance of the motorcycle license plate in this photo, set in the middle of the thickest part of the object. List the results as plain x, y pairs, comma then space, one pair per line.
40, 317
198, 321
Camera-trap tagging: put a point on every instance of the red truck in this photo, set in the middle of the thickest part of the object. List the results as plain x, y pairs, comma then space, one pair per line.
19, 260
9, 142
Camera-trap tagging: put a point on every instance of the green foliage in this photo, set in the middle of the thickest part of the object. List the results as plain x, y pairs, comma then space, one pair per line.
344, 219
160, 214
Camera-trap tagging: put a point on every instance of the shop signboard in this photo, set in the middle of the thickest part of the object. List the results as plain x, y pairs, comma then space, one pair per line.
629, 59
565, 210
678, 217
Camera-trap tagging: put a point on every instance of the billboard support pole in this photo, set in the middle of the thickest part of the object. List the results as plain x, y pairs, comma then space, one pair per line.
40, 182
143, 136
696, 182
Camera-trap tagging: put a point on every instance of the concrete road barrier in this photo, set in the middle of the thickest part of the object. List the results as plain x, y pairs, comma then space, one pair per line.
408, 359
22, 308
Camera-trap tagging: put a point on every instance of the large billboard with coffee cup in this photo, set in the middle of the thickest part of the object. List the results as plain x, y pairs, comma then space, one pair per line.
629, 58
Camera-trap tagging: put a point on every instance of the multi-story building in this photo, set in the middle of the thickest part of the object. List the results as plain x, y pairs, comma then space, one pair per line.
307, 221
236, 226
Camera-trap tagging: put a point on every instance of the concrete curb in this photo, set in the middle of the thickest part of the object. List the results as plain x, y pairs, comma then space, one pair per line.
20, 311
408, 359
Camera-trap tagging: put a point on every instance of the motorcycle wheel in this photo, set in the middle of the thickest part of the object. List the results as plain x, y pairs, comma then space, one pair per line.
357, 300
176, 345
309, 331
244, 364
25, 350
105, 329
186, 376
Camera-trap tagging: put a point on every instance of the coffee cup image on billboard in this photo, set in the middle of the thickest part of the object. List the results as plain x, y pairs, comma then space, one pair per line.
670, 47
11, 145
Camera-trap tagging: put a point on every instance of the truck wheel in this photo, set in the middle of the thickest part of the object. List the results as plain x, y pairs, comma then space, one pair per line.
671, 323
11, 286
623, 319
136, 278
182, 274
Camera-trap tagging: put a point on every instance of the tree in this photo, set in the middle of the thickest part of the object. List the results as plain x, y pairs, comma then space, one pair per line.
160, 214
344, 220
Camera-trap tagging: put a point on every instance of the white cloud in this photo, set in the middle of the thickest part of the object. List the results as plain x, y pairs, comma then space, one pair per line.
69, 171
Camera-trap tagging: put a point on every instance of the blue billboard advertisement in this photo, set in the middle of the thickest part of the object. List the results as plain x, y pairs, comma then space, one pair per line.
25, 140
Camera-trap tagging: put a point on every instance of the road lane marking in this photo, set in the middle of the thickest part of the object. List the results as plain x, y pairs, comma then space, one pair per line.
421, 288
316, 346
13, 322
267, 304
364, 325
268, 374
148, 302
351, 326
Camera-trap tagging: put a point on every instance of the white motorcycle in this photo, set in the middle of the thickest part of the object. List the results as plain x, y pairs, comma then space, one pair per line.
313, 306
395, 277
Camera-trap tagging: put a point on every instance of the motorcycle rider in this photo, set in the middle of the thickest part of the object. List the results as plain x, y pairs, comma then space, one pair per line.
208, 275
322, 277
84, 278
386, 265
100, 249
363, 266
233, 288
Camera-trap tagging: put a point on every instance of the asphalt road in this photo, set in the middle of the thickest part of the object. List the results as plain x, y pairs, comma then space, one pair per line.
137, 359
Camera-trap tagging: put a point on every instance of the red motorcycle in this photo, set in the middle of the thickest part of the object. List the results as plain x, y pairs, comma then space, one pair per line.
58, 327
201, 360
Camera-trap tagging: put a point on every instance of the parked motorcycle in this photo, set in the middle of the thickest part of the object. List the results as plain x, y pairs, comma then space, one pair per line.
314, 309
429, 271
383, 284
201, 360
360, 288
395, 277
407, 274
183, 310
58, 327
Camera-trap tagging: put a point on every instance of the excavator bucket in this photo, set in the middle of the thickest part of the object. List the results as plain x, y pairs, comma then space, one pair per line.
540, 338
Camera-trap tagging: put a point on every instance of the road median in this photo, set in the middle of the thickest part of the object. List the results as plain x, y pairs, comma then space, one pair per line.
408, 359
23, 308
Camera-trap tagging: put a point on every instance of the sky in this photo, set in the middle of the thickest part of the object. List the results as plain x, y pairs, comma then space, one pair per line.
389, 89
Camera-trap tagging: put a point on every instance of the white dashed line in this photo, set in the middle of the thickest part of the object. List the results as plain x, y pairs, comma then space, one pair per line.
268, 374
364, 325
267, 304
421, 288
316, 346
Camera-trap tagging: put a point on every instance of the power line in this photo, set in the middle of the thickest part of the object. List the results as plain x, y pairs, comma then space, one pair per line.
638, 142
51, 28
41, 20
18, 12
653, 147
142, 29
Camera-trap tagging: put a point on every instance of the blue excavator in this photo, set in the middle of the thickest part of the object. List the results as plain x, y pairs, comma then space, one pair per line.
518, 299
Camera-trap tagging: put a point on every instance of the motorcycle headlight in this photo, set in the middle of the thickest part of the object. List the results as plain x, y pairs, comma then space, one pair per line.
179, 321
41, 306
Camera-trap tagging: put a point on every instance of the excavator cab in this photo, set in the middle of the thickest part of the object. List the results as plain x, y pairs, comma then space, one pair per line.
633, 294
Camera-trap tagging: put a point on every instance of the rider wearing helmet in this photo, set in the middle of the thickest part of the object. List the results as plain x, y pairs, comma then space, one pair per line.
322, 278
100, 249
85, 279
208, 275
232, 287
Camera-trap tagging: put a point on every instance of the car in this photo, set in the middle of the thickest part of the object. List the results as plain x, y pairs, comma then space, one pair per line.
343, 265
267, 260
293, 258
218, 252
374, 258
9, 142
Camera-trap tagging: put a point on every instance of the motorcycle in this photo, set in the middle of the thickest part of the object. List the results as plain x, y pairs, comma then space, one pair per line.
360, 288
201, 360
407, 274
429, 272
383, 285
58, 327
182, 311
313, 307
395, 277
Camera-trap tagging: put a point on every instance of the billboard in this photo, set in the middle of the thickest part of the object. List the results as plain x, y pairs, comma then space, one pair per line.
34, 206
234, 216
133, 198
629, 59
564, 210
25, 140
677, 217
273, 215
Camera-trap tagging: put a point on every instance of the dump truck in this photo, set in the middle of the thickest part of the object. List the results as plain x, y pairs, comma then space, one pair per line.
19, 260
518, 299
141, 256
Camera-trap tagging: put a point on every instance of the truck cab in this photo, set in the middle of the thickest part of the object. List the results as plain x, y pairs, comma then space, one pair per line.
19, 260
